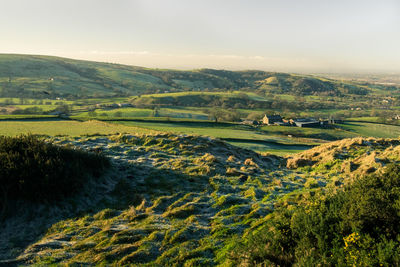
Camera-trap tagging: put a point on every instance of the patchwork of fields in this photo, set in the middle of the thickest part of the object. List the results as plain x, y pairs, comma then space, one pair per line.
279, 140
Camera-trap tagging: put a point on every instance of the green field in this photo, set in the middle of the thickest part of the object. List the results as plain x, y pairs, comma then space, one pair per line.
366, 119
372, 129
121, 112
69, 128
176, 112
210, 129
273, 139
240, 135
276, 149
22, 117
32, 101
317, 133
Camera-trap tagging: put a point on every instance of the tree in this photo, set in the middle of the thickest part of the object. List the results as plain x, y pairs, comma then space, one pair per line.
64, 109
156, 112
255, 116
215, 114
92, 113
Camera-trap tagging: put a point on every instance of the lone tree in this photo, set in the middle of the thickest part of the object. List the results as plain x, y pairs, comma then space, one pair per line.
215, 114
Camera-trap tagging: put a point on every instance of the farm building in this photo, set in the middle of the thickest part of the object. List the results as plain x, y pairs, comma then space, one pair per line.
250, 122
307, 123
282, 123
334, 121
271, 119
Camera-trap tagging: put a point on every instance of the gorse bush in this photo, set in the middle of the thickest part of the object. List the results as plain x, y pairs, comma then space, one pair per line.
359, 226
35, 170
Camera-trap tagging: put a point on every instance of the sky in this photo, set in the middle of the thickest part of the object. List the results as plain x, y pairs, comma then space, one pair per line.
274, 35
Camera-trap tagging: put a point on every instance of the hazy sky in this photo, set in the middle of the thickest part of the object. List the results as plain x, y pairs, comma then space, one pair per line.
280, 35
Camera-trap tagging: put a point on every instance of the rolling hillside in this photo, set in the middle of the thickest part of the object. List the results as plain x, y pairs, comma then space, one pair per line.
45, 76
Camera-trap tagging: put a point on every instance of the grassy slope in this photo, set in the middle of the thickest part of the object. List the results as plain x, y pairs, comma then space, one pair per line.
85, 78
197, 192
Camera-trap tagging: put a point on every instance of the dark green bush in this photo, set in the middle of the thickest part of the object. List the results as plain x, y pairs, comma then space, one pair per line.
359, 226
35, 170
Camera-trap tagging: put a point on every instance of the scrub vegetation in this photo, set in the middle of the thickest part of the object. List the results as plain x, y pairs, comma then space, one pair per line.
35, 170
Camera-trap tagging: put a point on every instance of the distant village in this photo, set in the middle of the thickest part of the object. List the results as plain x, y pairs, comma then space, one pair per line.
303, 122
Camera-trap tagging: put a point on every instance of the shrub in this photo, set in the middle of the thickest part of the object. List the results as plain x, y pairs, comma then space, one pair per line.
358, 226
35, 170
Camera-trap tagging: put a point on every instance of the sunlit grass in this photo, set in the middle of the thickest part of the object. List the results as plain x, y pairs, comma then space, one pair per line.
69, 128
373, 129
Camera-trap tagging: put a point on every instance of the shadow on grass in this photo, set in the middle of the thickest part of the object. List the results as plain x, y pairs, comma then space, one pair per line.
123, 186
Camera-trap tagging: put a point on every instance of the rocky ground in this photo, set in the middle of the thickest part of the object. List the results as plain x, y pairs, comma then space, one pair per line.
178, 200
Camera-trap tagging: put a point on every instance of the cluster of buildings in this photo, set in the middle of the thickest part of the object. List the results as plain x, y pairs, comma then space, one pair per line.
114, 106
303, 122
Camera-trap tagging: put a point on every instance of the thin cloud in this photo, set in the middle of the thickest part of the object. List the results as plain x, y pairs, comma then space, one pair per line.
96, 52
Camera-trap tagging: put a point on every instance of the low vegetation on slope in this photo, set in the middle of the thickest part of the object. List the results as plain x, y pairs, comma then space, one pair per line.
35, 170
191, 201
357, 226
348, 157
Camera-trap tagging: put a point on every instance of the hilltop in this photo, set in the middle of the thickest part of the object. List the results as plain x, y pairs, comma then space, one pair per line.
46, 76
178, 199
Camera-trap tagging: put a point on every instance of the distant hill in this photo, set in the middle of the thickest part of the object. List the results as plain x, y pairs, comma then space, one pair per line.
44, 76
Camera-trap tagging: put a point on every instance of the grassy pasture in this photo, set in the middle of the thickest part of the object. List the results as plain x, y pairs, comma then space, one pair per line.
69, 128
366, 119
372, 129
175, 112
29, 101
225, 130
125, 112
239, 135
45, 108
227, 94
22, 117
319, 133
276, 149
